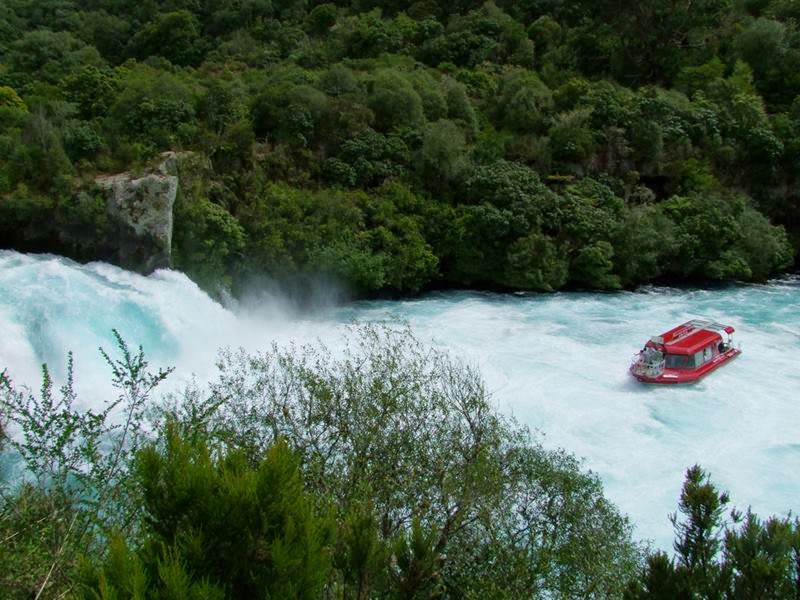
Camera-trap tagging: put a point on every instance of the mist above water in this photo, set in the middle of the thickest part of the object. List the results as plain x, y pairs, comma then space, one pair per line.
557, 363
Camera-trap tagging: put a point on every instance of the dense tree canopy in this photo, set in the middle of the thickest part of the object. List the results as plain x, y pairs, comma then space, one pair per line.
662, 136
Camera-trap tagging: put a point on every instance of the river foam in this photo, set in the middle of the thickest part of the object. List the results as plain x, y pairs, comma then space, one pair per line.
557, 363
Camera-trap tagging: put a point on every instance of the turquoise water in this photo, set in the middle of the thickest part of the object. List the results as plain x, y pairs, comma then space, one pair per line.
558, 363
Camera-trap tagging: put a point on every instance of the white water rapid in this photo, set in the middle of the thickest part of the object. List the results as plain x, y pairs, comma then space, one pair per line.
557, 362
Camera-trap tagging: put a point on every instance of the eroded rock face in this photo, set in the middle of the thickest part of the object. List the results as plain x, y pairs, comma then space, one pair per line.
140, 214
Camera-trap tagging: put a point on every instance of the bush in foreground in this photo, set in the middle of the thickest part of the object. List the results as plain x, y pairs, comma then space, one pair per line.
378, 471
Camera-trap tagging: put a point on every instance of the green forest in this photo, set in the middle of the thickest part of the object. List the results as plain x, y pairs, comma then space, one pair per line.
529, 145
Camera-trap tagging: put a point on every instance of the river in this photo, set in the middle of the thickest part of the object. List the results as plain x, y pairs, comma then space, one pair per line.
556, 362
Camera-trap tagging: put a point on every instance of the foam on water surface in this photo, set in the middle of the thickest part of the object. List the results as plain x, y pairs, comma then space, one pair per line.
557, 363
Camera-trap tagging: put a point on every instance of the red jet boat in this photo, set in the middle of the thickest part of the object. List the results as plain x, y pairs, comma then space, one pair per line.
685, 354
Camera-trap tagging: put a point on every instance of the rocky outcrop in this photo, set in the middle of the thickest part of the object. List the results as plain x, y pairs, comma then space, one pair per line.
139, 212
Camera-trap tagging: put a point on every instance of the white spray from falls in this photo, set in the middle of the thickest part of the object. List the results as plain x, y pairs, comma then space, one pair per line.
557, 362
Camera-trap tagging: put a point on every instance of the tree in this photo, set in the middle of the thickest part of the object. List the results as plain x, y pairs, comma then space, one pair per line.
592, 266
642, 245
174, 35
222, 105
320, 19
521, 102
760, 556
395, 232
766, 45
207, 241
367, 35
290, 113
40, 159
484, 34
10, 99
717, 237
151, 108
78, 463
442, 158
405, 430
717, 559
374, 157
394, 101
459, 107
571, 141
216, 526
93, 90
698, 538
536, 262
44, 55
656, 38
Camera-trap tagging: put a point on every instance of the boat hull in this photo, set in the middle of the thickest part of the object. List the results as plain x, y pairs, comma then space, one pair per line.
672, 376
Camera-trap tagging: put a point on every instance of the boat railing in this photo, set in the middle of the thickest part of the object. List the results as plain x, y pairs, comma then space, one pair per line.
644, 367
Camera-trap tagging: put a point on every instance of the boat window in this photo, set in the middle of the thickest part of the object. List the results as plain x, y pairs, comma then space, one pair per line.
679, 361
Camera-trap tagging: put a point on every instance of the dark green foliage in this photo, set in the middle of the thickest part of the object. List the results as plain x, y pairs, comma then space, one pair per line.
368, 35
215, 526
35, 525
642, 245
395, 102
721, 237
484, 34
321, 18
248, 531
78, 463
104, 29
521, 101
571, 141
666, 101
290, 113
763, 557
371, 157
403, 483
293, 232
82, 140
698, 537
93, 90
501, 239
426, 476
418, 563
40, 158
442, 161
368, 242
44, 55
656, 37
720, 557
22, 219
74, 225
536, 262
222, 105
174, 35
151, 108
9, 99
207, 242
592, 266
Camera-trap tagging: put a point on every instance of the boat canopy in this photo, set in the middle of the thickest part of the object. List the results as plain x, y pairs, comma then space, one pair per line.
693, 336
693, 342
